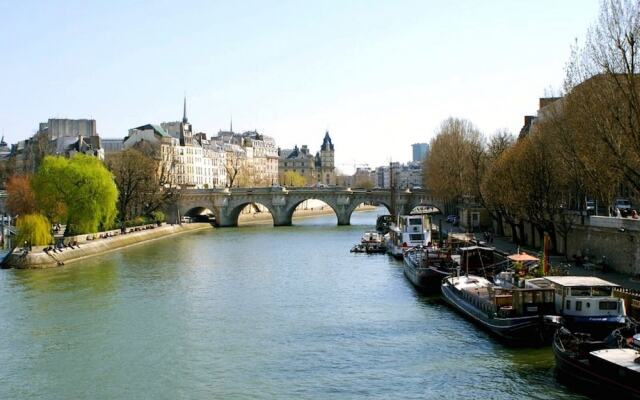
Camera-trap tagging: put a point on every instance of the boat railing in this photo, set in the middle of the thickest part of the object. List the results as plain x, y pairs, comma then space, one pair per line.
478, 302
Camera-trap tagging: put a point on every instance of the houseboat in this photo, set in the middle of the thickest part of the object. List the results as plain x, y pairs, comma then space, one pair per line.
372, 242
586, 303
519, 315
608, 366
410, 231
425, 267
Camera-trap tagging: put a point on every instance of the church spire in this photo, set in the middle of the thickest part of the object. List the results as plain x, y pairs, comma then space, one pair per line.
184, 111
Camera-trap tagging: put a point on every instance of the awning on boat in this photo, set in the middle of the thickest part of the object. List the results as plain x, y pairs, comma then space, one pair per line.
522, 257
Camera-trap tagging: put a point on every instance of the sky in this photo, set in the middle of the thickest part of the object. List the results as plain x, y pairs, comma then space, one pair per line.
379, 75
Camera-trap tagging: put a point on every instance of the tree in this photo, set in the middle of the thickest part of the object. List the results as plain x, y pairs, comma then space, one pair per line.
34, 229
135, 175
164, 191
20, 197
79, 191
602, 104
290, 178
448, 171
234, 166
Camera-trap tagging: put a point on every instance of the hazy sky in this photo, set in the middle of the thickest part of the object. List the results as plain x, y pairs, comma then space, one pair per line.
380, 75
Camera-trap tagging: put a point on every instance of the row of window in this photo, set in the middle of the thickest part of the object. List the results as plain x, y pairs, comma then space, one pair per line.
603, 305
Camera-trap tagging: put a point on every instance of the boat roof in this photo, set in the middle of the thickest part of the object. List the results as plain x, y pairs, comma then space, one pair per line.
469, 282
579, 281
471, 248
621, 357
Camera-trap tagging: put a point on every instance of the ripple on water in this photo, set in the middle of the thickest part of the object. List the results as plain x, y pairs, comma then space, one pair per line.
252, 312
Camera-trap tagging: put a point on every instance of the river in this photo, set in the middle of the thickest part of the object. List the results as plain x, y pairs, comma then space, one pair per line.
254, 312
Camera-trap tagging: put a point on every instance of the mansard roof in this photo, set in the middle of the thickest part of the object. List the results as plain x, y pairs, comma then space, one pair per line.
157, 128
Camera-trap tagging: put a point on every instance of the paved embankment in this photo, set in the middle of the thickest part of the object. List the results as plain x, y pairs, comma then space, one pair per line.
38, 258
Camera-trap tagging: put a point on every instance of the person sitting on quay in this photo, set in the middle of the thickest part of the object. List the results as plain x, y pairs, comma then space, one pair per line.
634, 214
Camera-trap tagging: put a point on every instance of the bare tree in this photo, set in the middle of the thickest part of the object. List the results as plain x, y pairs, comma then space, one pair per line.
603, 101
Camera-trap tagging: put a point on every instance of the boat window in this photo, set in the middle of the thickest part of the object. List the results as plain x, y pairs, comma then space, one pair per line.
601, 291
548, 297
578, 305
416, 236
415, 221
608, 305
568, 304
581, 291
528, 297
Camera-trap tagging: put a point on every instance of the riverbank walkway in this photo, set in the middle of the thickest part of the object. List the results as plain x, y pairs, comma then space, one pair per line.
505, 245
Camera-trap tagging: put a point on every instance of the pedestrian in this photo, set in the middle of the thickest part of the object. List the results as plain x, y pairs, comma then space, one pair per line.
618, 213
634, 214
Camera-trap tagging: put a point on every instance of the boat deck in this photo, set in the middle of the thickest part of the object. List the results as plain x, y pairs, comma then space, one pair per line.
621, 357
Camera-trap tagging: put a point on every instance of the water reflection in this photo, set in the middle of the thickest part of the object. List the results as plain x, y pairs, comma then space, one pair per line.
250, 312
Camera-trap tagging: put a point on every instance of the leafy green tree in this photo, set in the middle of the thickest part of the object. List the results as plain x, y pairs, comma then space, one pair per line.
291, 178
79, 191
34, 229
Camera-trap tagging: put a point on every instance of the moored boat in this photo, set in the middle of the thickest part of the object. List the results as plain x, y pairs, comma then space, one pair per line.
425, 267
586, 303
410, 231
517, 315
608, 366
372, 242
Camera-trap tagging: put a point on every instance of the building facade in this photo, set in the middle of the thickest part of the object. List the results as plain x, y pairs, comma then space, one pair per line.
192, 160
316, 169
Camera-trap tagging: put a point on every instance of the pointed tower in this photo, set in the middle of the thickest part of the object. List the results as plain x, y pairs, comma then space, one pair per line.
327, 163
184, 112
186, 134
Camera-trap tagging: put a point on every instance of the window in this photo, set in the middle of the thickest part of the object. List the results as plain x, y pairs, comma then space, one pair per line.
416, 236
578, 305
580, 291
601, 291
608, 305
568, 304
415, 221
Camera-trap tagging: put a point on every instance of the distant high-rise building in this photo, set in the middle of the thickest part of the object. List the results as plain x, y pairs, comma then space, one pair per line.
420, 151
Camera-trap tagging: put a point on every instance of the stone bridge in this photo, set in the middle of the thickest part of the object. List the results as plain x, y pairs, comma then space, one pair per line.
227, 204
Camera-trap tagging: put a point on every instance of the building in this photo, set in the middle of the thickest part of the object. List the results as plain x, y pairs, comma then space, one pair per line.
192, 160
183, 161
316, 169
420, 151
254, 155
56, 128
405, 176
112, 145
63, 137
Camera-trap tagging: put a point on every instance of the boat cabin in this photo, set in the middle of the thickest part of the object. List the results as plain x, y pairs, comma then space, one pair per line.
411, 231
583, 298
475, 258
523, 302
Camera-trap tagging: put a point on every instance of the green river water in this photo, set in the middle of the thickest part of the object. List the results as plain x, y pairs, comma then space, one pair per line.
250, 313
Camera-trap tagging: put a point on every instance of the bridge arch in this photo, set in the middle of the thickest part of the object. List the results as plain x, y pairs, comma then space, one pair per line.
232, 214
358, 202
290, 210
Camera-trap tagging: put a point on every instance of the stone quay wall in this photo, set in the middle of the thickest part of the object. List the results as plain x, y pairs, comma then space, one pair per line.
94, 244
617, 239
